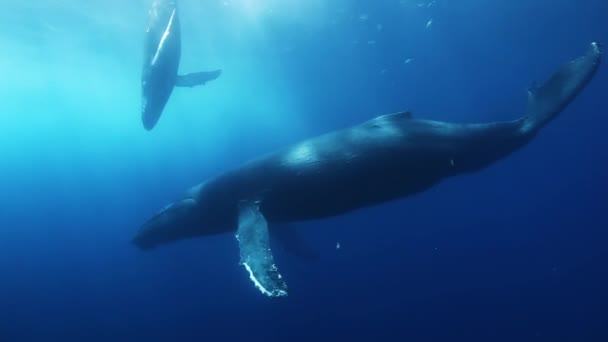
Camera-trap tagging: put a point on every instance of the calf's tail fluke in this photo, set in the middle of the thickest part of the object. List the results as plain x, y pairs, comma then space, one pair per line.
548, 100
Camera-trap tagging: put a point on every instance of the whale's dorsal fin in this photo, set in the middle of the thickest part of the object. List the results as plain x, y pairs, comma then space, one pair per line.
256, 256
406, 115
196, 78
400, 115
398, 118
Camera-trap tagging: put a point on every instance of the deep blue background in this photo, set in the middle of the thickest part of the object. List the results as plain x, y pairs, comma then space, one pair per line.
516, 252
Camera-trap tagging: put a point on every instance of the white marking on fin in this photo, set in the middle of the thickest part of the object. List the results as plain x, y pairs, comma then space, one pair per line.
260, 287
164, 38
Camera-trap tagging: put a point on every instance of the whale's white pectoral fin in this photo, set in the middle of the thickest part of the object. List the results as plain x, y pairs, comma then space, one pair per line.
196, 78
256, 256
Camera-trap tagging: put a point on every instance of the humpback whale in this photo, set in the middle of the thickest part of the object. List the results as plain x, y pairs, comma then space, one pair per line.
388, 157
162, 53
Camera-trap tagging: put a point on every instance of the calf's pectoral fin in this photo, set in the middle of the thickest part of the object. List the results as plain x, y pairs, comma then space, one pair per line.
196, 78
256, 256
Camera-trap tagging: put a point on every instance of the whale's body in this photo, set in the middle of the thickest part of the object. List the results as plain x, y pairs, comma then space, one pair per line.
162, 54
388, 157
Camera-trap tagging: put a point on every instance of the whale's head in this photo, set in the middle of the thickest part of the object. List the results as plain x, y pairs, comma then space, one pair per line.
176, 221
151, 109
195, 214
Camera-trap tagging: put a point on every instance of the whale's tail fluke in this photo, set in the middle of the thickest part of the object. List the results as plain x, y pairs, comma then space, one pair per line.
547, 101
197, 78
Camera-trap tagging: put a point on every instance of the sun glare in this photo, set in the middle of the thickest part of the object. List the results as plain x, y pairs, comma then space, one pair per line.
258, 9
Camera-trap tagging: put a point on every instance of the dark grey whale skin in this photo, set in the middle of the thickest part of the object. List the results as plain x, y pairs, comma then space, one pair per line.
162, 54
388, 157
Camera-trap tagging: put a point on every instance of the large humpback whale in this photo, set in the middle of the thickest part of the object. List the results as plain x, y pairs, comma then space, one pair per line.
388, 157
162, 53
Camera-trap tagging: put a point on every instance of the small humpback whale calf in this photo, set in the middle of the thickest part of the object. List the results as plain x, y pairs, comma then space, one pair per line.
389, 157
162, 53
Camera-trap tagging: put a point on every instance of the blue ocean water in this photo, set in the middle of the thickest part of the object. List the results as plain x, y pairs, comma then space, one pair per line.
516, 252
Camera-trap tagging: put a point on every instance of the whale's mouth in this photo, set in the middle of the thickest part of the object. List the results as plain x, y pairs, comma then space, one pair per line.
149, 114
142, 243
176, 221
151, 233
